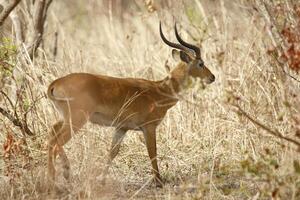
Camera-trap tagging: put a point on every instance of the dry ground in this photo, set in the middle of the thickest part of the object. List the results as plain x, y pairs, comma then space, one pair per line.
205, 149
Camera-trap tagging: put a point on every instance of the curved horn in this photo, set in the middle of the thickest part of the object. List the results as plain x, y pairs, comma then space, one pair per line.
171, 44
193, 47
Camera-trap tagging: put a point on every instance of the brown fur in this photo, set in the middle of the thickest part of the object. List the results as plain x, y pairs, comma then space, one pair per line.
124, 103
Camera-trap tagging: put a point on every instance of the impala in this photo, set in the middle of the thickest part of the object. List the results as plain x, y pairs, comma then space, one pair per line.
123, 103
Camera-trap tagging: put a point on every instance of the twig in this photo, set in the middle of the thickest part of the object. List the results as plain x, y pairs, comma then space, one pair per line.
275, 133
18, 27
6, 96
46, 9
283, 69
39, 17
14, 118
5, 12
289, 75
16, 122
34, 103
55, 45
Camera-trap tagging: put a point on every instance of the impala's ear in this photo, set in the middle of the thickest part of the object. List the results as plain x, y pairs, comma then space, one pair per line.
180, 55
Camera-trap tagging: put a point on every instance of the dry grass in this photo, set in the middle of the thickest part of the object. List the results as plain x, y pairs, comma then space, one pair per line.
201, 145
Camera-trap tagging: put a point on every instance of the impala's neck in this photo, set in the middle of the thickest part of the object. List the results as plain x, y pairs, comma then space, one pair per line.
176, 82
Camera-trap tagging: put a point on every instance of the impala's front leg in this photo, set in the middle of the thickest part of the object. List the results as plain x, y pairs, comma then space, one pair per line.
150, 139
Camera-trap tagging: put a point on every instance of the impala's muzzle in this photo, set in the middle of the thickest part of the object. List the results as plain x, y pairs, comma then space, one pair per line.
211, 79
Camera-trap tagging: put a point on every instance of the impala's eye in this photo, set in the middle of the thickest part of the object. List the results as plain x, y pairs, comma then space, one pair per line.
201, 64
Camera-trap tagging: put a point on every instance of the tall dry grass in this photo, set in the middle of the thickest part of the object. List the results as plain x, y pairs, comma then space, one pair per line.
206, 150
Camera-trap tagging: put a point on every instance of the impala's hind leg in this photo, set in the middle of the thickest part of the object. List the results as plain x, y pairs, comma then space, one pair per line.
64, 159
57, 140
114, 150
51, 157
59, 150
65, 163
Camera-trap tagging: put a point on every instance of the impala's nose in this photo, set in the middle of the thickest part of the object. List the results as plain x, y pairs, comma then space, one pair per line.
212, 79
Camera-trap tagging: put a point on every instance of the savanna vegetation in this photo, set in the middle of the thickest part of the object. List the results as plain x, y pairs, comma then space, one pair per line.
238, 138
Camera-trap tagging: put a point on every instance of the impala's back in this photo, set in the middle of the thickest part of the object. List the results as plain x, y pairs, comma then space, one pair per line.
111, 101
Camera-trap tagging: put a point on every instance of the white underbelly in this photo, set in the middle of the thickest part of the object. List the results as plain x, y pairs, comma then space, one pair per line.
99, 118
104, 120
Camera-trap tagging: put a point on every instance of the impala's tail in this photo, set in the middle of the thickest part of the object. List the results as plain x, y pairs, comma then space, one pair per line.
56, 94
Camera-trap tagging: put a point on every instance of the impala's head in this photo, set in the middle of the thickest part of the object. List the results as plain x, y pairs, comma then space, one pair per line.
191, 55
